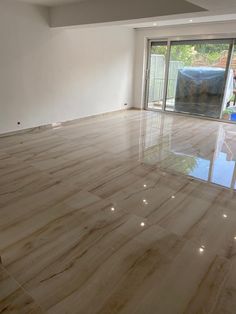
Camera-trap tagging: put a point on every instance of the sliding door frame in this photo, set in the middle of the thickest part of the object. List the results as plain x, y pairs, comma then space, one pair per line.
167, 74
167, 63
147, 72
229, 60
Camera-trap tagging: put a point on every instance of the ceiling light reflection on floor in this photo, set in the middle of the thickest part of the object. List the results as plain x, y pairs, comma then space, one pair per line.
201, 249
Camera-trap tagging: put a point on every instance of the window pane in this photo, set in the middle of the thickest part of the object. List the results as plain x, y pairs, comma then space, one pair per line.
157, 75
229, 109
197, 74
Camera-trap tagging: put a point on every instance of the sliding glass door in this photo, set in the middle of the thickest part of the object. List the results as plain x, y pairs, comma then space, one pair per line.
229, 104
191, 76
197, 77
156, 75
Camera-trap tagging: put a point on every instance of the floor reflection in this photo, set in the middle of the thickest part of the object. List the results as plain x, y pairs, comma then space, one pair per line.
205, 150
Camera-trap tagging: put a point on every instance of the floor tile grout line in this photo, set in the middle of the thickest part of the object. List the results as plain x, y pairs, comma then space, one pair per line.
21, 287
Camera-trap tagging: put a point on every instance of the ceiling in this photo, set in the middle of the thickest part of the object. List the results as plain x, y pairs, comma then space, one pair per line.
216, 10
216, 5
50, 2
211, 5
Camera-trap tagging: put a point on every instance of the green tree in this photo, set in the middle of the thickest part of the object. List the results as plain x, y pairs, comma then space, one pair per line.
183, 53
208, 53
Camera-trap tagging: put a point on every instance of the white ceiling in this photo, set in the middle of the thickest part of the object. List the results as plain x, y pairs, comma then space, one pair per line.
217, 10
211, 5
50, 2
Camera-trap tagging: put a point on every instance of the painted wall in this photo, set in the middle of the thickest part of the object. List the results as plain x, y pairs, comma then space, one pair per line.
142, 35
50, 75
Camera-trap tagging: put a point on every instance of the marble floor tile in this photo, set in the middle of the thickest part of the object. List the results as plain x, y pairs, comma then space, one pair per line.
146, 195
131, 212
147, 275
13, 298
32, 218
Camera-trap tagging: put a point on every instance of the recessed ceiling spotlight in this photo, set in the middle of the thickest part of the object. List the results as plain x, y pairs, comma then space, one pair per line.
155, 24
190, 21
56, 125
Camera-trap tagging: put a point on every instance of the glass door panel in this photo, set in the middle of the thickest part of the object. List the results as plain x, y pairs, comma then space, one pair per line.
157, 73
229, 105
197, 76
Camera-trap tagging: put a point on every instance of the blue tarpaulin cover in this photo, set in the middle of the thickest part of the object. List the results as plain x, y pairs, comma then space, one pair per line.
200, 90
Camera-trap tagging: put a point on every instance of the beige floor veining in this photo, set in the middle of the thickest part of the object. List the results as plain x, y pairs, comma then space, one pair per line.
133, 212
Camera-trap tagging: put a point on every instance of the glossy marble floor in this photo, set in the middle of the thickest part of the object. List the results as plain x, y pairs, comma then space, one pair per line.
133, 212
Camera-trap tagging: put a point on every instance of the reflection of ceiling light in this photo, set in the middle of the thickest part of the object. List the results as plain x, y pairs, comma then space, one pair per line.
225, 216
112, 209
190, 21
235, 238
145, 202
201, 249
145, 185
172, 196
154, 24
142, 224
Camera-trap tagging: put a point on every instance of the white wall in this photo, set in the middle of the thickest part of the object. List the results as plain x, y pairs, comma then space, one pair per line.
142, 35
50, 75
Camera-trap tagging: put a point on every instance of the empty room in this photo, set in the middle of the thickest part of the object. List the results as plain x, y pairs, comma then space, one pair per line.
118, 156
